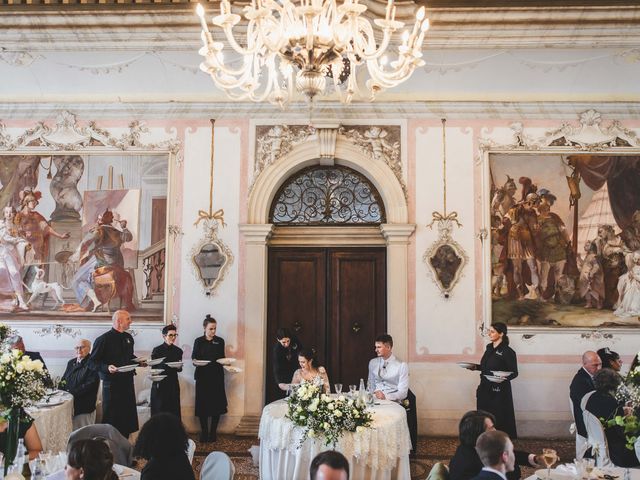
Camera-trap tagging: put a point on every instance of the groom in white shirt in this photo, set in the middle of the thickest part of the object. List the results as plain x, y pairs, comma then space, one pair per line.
388, 376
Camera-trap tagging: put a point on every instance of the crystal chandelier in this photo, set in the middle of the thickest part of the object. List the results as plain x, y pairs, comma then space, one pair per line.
293, 46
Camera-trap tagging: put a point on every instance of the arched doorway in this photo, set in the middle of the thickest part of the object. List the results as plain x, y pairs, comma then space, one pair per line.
332, 298
257, 232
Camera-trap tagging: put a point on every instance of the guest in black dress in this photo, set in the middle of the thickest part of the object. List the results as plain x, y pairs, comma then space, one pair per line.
163, 442
211, 399
88, 459
165, 394
466, 463
285, 358
495, 396
603, 404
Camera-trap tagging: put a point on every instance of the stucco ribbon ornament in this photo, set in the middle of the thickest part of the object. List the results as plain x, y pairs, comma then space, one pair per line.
217, 215
438, 217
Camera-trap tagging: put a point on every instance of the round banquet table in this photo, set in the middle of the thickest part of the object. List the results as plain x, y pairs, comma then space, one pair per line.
380, 452
54, 422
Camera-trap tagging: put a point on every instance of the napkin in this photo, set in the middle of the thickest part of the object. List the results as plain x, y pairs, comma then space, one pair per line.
567, 468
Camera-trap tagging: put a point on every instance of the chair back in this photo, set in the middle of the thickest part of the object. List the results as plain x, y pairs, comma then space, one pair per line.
439, 471
191, 450
217, 466
597, 439
637, 447
119, 446
585, 399
582, 445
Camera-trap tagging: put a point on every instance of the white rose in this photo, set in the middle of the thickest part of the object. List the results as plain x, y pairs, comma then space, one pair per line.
331, 406
20, 368
325, 425
359, 429
6, 358
311, 433
299, 409
15, 353
337, 413
341, 398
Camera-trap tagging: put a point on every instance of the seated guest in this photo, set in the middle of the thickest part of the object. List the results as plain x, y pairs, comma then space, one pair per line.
389, 379
603, 404
466, 463
582, 384
285, 357
89, 459
610, 359
81, 381
496, 453
163, 442
27, 431
329, 465
309, 372
17, 343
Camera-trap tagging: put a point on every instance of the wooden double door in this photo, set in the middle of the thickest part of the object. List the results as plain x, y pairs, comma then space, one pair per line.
333, 300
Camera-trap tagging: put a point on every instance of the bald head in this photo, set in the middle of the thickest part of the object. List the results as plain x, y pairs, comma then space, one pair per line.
591, 362
121, 320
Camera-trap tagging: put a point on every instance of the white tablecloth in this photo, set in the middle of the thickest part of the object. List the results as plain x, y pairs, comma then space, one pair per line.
378, 453
124, 473
634, 473
54, 423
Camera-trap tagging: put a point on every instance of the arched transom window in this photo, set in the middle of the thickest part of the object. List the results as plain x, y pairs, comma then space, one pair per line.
327, 195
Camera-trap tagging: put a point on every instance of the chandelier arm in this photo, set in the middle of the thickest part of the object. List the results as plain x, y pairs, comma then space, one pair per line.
228, 31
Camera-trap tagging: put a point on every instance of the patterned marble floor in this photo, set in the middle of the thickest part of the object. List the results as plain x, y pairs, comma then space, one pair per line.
430, 450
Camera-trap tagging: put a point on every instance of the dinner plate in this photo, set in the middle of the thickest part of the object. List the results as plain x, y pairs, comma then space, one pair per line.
500, 373
225, 361
51, 403
554, 475
493, 378
157, 371
174, 364
231, 369
201, 363
139, 359
155, 361
157, 378
467, 365
127, 368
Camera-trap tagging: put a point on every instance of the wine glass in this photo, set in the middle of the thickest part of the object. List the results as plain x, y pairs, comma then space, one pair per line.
549, 457
338, 387
352, 390
589, 463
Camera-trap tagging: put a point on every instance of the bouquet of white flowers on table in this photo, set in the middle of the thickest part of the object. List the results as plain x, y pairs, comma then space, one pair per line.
22, 383
321, 415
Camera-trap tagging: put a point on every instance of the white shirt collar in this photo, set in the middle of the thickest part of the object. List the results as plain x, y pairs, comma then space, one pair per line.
489, 469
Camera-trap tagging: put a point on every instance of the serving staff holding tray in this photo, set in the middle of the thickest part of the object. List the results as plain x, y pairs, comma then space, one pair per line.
165, 393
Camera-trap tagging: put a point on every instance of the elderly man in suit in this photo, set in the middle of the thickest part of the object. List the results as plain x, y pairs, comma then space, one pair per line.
496, 452
82, 382
582, 384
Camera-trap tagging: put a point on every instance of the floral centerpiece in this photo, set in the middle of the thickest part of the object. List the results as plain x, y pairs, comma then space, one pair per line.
22, 383
321, 415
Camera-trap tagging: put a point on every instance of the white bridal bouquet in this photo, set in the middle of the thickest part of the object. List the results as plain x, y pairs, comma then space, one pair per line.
321, 415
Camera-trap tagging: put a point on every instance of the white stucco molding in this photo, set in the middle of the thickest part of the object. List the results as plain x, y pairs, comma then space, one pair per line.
347, 153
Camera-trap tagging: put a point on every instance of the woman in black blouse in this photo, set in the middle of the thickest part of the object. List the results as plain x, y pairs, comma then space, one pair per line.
165, 394
494, 394
211, 399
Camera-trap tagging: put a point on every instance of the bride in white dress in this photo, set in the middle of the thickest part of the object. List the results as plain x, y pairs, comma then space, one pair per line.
629, 289
308, 372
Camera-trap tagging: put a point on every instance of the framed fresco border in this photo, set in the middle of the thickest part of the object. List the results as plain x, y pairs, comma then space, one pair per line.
590, 135
69, 136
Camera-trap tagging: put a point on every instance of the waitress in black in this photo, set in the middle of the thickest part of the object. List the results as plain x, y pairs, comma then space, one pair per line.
494, 395
211, 399
165, 394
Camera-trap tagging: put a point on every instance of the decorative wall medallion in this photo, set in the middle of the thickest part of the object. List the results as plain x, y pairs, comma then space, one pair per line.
275, 141
211, 258
57, 331
596, 335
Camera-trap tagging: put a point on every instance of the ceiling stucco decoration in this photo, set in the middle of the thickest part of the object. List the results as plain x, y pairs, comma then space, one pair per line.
273, 142
18, 59
68, 134
381, 143
589, 135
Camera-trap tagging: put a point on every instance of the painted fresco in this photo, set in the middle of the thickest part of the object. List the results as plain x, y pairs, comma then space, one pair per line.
565, 240
74, 248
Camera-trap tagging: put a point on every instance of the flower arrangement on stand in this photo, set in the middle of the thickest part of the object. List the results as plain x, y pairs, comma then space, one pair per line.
321, 415
22, 383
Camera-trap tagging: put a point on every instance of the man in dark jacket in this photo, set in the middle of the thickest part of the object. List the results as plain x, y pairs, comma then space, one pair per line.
496, 452
582, 384
82, 382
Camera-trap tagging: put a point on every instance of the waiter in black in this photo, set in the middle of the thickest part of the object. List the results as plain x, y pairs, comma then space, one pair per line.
82, 382
111, 350
165, 394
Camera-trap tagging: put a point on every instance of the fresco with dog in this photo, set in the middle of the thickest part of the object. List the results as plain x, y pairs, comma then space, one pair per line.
79, 237
565, 240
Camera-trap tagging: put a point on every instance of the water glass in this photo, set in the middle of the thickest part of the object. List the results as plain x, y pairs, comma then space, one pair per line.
588, 464
352, 390
338, 387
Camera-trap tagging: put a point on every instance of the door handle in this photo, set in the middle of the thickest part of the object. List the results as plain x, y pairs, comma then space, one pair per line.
297, 326
356, 327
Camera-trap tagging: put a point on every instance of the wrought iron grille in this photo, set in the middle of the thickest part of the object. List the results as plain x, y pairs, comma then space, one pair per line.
333, 195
